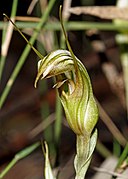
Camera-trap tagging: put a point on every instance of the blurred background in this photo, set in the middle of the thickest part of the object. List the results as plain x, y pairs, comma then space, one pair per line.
99, 38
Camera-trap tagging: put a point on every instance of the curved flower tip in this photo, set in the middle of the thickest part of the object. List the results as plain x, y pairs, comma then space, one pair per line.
74, 87
55, 63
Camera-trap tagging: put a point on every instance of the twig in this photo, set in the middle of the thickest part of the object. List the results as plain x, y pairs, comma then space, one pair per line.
111, 126
102, 12
27, 19
66, 6
115, 80
31, 6
42, 126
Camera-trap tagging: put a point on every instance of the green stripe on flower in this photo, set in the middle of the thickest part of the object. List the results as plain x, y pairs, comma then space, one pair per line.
74, 89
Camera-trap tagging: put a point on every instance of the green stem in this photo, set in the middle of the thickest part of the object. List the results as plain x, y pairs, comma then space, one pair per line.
25, 53
85, 146
82, 151
73, 25
116, 148
58, 121
22, 154
57, 128
6, 39
123, 156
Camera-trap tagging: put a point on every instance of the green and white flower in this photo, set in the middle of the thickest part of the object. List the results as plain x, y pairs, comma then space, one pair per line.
75, 91
74, 88
76, 95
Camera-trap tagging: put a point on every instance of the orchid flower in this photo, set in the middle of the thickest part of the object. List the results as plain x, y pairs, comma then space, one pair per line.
76, 95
